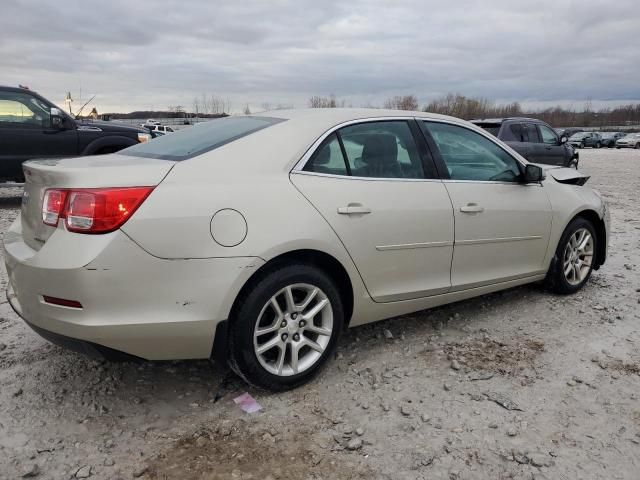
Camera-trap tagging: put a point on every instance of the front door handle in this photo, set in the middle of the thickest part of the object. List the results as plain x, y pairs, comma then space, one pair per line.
472, 208
354, 209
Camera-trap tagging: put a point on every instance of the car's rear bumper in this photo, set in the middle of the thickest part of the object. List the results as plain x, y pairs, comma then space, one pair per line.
132, 302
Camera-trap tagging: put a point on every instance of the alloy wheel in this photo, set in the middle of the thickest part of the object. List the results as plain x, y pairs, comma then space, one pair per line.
578, 256
293, 329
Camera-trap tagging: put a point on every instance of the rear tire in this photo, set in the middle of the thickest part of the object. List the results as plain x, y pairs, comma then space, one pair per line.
598, 145
281, 303
637, 147
575, 256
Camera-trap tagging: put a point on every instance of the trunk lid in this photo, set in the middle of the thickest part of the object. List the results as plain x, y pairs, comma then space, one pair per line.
84, 172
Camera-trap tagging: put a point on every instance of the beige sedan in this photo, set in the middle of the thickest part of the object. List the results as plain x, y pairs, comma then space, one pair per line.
258, 239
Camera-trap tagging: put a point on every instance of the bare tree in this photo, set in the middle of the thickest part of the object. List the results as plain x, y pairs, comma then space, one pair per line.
196, 106
325, 102
246, 110
405, 102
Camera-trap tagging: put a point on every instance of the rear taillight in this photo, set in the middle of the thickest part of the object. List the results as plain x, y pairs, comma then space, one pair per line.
52, 206
92, 210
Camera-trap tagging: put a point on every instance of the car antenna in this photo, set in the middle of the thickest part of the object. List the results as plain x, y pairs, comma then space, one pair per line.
87, 103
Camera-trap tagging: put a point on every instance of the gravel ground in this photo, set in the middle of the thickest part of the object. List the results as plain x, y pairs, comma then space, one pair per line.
520, 384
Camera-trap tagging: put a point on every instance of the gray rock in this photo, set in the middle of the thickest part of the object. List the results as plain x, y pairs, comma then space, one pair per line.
455, 364
31, 470
387, 334
354, 444
405, 410
539, 460
359, 431
512, 432
84, 472
447, 387
140, 471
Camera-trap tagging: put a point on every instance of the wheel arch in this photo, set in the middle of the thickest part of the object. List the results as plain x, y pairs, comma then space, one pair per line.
112, 142
601, 231
321, 260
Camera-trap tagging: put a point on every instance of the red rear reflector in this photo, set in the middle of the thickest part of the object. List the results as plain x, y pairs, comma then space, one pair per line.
62, 302
93, 210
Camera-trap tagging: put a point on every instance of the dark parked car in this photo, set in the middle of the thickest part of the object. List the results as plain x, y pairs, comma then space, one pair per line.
567, 132
33, 127
586, 139
533, 139
609, 138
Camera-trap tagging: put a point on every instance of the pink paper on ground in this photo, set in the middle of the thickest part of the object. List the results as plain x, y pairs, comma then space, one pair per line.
247, 403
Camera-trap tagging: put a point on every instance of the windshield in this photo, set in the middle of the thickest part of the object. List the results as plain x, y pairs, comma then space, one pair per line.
608, 135
632, 135
576, 136
203, 137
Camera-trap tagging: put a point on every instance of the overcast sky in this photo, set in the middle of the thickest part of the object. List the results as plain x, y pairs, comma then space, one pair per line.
151, 54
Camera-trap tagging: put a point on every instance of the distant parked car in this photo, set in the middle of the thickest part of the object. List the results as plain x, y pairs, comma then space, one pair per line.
609, 138
586, 139
533, 139
629, 141
150, 123
567, 132
162, 129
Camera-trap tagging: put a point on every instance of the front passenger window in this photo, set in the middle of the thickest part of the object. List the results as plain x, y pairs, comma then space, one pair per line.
548, 135
471, 156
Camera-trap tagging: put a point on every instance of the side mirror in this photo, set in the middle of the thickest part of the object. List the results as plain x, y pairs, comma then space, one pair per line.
57, 118
533, 173
564, 139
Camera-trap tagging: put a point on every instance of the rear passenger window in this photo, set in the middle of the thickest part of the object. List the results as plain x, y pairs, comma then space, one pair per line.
382, 150
328, 158
517, 132
532, 133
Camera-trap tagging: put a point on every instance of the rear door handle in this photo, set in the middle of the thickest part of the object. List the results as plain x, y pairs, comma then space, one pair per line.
472, 208
354, 209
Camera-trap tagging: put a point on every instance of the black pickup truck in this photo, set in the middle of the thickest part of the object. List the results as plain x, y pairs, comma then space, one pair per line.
533, 139
33, 127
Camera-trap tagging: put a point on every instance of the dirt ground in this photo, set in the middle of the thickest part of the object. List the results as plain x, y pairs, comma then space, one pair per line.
519, 384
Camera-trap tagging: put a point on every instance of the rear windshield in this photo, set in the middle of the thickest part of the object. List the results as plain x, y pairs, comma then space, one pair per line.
492, 128
202, 137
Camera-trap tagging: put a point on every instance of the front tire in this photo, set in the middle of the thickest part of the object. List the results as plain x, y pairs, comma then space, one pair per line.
598, 145
637, 147
286, 327
574, 258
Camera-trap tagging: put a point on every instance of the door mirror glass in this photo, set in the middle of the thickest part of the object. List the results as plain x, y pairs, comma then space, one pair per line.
564, 139
533, 173
57, 118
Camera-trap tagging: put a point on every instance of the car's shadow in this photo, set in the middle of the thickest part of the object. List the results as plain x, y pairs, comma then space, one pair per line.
94, 389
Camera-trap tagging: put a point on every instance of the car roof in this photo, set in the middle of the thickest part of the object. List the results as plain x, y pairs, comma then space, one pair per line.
500, 120
340, 115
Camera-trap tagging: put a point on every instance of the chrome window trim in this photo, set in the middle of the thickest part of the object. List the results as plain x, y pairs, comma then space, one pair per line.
300, 164
369, 179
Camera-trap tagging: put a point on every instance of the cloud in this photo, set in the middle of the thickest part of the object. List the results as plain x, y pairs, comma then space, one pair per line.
149, 55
